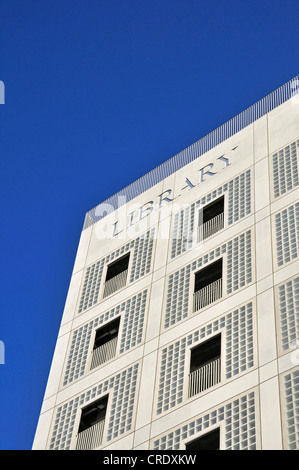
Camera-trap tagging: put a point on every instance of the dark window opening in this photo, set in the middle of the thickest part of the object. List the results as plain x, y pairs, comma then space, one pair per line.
105, 344
209, 441
213, 209
116, 277
205, 353
107, 333
118, 267
208, 275
93, 414
205, 366
211, 219
207, 285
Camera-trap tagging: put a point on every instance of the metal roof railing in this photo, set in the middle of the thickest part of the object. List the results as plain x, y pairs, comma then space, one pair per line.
273, 100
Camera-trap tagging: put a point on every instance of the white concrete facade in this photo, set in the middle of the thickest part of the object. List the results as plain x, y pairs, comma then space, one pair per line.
255, 403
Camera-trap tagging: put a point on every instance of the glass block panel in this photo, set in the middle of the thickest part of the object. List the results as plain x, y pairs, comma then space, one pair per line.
288, 307
285, 169
122, 392
237, 419
239, 205
291, 390
183, 231
142, 255
239, 273
238, 336
142, 252
91, 286
287, 234
132, 312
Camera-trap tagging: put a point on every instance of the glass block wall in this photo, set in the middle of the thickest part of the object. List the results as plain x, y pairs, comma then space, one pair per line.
122, 389
132, 313
183, 229
239, 195
237, 420
285, 169
288, 313
142, 251
238, 332
239, 273
291, 408
287, 234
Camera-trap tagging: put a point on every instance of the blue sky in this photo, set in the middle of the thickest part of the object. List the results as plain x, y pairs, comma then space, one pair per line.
97, 93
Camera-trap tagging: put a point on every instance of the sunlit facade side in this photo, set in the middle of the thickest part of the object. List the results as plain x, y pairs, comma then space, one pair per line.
181, 324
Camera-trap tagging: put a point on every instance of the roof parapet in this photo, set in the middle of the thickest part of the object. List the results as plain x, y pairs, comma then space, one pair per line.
245, 118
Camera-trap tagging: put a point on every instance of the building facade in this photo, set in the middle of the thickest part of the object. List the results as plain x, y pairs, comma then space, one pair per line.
181, 324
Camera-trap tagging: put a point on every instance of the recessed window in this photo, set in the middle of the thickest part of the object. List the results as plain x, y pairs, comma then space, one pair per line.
205, 366
116, 276
207, 285
105, 343
209, 441
211, 219
91, 426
